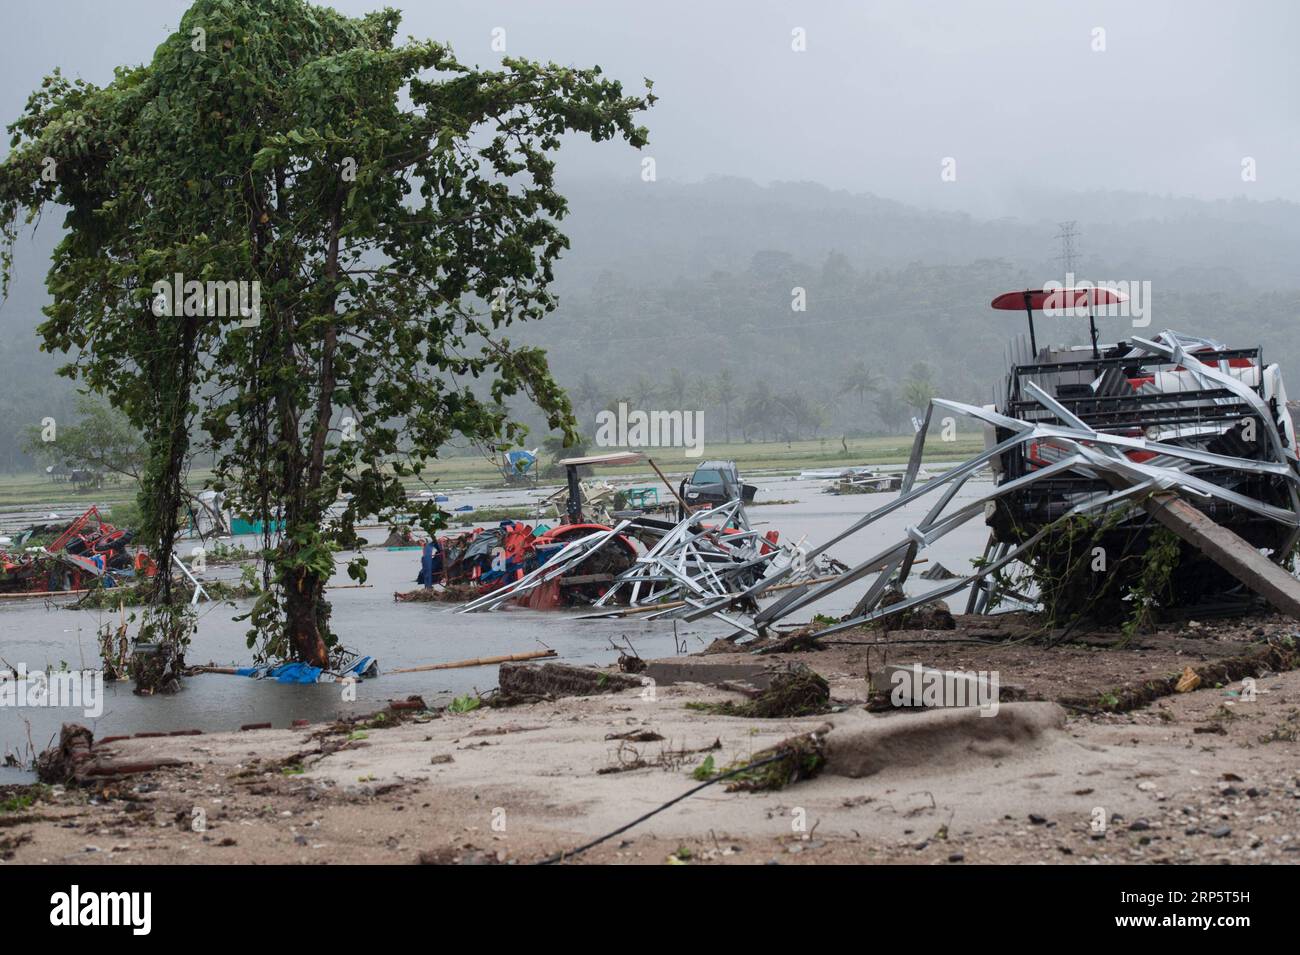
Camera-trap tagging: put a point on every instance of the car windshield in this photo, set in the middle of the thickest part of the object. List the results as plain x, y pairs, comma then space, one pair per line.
706, 476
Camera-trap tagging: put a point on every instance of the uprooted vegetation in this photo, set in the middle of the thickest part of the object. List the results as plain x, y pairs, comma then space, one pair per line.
1095, 568
144, 593
790, 761
628, 757
795, 691
798, 758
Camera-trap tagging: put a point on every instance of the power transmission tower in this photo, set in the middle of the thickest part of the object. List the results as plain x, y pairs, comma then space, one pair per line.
1069, 251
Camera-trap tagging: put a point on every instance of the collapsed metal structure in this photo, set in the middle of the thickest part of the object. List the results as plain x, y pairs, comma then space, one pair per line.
709, 558
1192, 433
712, 558
1082, 466
562, 562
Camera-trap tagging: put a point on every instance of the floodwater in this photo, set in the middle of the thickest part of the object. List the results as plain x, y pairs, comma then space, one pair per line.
45, 635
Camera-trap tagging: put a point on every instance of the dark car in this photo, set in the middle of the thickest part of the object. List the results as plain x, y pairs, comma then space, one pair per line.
714, 483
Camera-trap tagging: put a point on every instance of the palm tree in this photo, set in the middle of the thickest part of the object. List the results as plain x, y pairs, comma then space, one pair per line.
702, 392
644, 391
918, 392
859, 380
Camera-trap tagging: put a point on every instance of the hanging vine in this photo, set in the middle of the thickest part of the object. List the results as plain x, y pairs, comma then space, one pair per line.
1075, 575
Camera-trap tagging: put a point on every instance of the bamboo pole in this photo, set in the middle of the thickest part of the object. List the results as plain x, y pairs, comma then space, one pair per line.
477, 661
44, 593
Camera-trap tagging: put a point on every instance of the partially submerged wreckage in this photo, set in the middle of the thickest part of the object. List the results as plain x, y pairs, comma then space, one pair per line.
85, 552
1175, 430
660, 566
1174, 414
1103, 457
634, 558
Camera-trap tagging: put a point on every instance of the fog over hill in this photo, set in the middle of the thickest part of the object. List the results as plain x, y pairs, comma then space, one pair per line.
801, 146
668, 284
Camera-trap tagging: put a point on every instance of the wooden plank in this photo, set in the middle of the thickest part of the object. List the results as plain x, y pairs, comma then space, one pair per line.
1228, 550
478, 662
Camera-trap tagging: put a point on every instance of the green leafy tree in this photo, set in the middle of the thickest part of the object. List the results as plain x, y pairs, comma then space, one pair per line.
396, 209
561, 446
798, 415
644, 393
759, 411
101, 439
918, 388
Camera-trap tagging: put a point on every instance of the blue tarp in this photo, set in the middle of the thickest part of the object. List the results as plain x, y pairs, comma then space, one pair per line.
304, 673
520, 461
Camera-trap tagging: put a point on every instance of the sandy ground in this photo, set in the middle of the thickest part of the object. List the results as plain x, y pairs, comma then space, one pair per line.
1203, 776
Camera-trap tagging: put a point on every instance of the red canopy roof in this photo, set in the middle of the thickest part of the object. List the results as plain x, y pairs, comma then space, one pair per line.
1059, 298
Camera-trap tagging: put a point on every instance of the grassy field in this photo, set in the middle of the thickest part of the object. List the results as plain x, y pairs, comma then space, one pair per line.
457, 472
34, 489
753, 457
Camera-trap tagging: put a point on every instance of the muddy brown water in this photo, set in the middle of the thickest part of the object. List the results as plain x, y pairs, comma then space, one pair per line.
45, 635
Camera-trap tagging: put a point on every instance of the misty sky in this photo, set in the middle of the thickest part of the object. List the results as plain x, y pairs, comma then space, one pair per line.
1012, 90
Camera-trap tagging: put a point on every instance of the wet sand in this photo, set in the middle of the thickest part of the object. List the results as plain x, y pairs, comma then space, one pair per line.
1201, 776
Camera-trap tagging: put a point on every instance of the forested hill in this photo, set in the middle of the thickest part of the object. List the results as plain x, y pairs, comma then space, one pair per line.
668, 285
679, 296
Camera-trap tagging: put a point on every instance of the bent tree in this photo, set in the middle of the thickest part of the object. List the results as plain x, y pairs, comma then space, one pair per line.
300, 243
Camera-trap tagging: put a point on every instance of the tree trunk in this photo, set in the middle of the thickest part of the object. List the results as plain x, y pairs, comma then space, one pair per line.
303, 594
166, 486
306, 611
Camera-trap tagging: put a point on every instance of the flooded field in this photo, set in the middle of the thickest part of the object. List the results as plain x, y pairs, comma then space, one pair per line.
44, 635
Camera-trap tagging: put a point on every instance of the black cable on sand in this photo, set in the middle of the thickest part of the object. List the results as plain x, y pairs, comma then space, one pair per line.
561, 856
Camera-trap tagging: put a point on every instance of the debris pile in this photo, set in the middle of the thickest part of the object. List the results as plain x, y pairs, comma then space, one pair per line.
1176, 430
1173, 434
555, 555
87, 552
709, 558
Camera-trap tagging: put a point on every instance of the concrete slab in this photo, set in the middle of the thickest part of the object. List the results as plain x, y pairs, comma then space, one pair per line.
671, 671
917, 685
